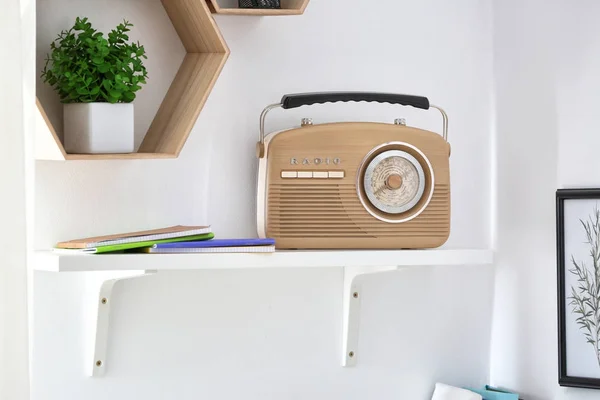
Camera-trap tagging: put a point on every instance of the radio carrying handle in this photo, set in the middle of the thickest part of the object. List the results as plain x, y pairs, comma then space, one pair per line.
290, 101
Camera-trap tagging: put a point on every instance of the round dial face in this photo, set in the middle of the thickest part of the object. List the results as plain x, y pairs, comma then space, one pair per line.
394, 181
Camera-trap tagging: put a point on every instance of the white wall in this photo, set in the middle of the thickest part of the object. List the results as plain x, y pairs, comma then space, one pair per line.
15, 171
276, 334
547, 55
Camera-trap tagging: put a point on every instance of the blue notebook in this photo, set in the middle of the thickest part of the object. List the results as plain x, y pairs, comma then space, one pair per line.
216, 243
492, 393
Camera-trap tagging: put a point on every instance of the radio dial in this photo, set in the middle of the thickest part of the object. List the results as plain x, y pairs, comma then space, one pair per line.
394, 181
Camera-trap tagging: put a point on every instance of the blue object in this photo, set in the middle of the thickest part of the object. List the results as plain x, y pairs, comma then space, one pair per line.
492, 393
216, 243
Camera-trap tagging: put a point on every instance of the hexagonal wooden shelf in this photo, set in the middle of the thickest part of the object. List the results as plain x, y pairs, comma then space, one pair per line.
176, 116
288, 7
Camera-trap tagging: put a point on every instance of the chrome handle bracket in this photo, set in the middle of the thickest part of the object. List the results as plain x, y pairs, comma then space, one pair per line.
260, 146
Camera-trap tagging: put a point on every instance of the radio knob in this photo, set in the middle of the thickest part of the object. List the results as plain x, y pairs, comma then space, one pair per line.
394, 182
400, 121
306, 122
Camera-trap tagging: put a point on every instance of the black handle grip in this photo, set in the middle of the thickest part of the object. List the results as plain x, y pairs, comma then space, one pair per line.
305, 99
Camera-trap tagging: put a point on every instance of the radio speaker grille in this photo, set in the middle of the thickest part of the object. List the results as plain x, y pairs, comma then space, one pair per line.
334, 210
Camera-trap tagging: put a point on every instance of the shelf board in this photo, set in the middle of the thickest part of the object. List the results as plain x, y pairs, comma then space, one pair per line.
288, 7
206, 55
55, 262
356, 264
127, 156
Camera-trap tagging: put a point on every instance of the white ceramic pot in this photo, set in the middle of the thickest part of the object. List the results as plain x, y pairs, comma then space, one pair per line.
98, 128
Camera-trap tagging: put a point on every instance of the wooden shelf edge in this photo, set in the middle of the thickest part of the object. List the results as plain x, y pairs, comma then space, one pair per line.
47, 143
56, 262
183, 102
126, 156
258, 12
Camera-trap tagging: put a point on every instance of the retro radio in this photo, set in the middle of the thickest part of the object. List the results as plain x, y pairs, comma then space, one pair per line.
354, 185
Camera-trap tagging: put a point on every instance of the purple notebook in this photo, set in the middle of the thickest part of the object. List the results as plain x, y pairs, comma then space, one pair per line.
216, 243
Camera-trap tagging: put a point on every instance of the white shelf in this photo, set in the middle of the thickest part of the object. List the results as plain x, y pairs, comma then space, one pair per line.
54, 262
357, 264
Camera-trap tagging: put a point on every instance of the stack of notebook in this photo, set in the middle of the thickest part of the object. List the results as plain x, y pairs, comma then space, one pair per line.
176, 239
135, 240
215, 246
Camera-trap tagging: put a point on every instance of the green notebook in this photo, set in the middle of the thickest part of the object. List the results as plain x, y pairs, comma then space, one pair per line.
135, 245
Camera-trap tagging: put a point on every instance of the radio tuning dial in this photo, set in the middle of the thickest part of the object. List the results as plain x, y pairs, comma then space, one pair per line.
394, 181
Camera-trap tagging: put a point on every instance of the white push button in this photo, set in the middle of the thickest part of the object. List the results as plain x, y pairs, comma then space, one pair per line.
305, 174
336, 174
320, 174
289, 174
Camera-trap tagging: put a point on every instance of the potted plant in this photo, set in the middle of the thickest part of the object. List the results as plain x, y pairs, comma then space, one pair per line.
97, 79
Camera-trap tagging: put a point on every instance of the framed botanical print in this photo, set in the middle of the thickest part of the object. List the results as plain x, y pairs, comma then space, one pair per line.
578, 260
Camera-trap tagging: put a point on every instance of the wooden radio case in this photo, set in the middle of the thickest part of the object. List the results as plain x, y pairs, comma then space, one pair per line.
354, 185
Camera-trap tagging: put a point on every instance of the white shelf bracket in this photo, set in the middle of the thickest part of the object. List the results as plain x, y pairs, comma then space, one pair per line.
98, 330
352, 297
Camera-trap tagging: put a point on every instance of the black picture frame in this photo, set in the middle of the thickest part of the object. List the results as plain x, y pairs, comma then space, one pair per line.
563, 195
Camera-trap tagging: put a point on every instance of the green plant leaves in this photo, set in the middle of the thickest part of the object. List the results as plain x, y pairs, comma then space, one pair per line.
129, 96
85, 66
104, 68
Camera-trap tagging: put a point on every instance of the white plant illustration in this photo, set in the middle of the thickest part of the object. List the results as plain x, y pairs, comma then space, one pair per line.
585, 294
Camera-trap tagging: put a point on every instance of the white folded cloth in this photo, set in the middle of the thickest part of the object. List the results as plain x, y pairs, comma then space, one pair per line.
445, 392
